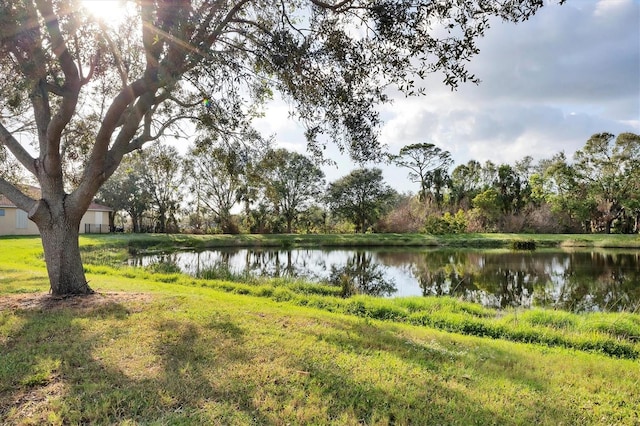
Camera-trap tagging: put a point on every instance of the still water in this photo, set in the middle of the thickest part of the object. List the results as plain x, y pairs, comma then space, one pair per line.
603, 280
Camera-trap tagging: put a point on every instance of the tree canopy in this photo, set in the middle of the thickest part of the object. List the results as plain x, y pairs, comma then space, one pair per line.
428, 165
360, 197
217, 178
292, 182
609, 169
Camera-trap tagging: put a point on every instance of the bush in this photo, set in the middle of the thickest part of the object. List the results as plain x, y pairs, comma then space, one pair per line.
406, 218
282, 294
343, 227
447, 224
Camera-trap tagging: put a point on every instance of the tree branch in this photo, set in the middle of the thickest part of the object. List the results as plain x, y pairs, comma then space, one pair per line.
17, 150
71, 86
148, 137
223, 23
16, 196
334, 7
122, 71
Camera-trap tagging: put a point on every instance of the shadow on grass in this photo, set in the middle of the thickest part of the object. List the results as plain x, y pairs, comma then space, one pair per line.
169, 364
438, 390
19, 283
58, 368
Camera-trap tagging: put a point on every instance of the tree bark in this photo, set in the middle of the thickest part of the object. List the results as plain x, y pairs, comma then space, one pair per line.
62, 255
59, 225
112, 221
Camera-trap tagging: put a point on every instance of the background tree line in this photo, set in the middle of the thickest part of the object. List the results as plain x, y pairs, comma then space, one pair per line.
234, 187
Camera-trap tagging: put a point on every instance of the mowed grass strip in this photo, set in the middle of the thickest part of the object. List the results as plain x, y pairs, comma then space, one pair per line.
147, 352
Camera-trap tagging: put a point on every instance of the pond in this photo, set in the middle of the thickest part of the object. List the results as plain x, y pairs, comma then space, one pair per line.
578, 281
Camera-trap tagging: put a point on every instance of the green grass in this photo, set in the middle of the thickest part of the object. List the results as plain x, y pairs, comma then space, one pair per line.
150, 242
172, 349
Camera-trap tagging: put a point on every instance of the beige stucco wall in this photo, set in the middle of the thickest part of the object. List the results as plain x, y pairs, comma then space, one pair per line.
8, 222
92, 218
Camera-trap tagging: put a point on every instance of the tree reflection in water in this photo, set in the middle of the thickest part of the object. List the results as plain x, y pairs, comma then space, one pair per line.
361, 275
579, 281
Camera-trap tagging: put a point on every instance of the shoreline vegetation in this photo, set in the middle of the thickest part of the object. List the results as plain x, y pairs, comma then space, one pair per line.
152, 242
162, 347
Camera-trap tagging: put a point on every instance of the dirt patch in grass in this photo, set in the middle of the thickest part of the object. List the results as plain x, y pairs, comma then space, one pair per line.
31, 403
47, 302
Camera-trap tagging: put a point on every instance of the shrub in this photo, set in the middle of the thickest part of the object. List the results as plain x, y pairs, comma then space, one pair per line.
356, 307
344, 227
447, 224
435, 225
407, 217
281, 294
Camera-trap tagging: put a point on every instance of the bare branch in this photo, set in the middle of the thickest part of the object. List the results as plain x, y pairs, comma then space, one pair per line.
17, 149
71, 86
285, 17
92, 69
16, 196
122, 71
224, 22
138, 142
335, 7
182, 103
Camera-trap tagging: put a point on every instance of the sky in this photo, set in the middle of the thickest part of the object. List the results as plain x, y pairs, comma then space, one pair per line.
547, 85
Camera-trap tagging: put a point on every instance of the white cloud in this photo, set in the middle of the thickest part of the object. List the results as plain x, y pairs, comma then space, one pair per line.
547, 85
612, 8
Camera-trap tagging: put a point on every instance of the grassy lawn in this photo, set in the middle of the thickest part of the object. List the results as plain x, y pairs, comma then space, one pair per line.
155, 348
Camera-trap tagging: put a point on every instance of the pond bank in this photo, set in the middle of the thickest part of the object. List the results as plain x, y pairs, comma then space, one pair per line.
155, 242
613, 334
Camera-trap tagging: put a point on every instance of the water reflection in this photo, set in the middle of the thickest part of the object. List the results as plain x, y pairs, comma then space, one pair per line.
574, 281
579, 281
362, 275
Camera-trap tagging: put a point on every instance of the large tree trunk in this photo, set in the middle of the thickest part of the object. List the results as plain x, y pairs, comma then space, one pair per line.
62, 255
161, 224
59, 229
362, 225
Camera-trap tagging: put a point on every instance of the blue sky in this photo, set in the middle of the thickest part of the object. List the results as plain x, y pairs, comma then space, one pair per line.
547, 85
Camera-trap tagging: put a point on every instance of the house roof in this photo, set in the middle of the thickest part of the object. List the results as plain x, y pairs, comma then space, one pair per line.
34, 192
31, 191
99, 207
